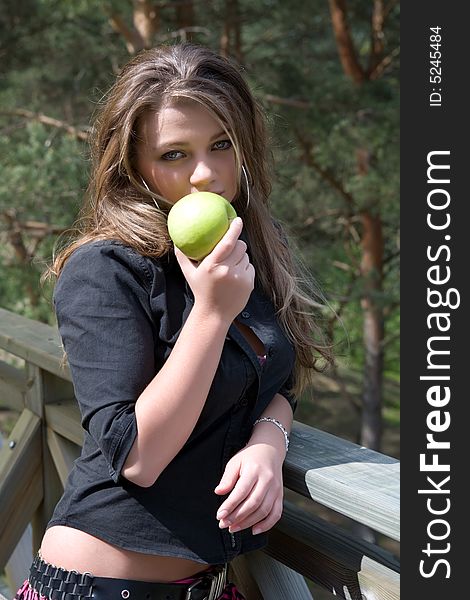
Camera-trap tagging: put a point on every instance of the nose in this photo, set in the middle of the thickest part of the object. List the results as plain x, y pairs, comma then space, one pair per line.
202, 175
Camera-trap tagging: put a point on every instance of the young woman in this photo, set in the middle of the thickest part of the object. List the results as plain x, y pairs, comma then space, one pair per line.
185, 373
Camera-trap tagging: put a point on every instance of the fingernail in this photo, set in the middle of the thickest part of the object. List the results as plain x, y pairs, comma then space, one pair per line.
234, 529
256, 531
222, 514
223, 524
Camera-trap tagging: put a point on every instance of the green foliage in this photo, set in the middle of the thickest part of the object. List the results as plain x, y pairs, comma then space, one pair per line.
44, 174
59, 57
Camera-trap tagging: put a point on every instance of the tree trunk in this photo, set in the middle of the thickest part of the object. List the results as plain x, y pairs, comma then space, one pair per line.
344, 42
372, 239
185, 19
23, 257
146, 21
372, 273
231, 39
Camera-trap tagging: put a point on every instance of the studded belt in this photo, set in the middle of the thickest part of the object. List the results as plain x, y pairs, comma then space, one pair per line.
56, 583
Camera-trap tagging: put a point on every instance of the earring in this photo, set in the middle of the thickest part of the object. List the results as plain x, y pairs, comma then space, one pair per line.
247, 187
148, 190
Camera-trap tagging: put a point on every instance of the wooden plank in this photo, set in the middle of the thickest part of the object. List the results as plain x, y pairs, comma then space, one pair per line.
239, 572
53, 490
44, 387
17, 568
63, 453
377, 579
35, 394
64, 418
36, 342
21, 488
13, 387
56, 389
275, 580
352, 480
334, 559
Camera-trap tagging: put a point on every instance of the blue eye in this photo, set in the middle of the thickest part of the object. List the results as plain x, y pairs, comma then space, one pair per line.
222, 145
172, 155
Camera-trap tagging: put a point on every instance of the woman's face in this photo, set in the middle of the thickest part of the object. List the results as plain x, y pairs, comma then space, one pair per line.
182, 149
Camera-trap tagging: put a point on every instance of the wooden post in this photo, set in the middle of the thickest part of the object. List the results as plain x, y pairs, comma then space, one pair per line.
40, 384
20, 481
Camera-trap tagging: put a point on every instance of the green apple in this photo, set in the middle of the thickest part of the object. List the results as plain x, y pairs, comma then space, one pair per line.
198, 221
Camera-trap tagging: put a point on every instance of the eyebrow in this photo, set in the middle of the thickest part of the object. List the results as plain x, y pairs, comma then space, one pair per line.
178, 143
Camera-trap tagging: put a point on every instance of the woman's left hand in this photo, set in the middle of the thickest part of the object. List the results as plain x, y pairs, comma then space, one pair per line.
253, 480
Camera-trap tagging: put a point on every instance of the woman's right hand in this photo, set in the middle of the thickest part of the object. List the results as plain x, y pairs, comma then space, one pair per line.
223, 281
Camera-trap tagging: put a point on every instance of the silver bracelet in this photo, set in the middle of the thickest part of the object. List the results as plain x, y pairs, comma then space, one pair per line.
278, 424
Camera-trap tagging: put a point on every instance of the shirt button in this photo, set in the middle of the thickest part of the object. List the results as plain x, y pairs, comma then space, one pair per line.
270, 352
243, 401
245, 314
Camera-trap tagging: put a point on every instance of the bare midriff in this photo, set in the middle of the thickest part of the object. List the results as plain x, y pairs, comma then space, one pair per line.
73, 549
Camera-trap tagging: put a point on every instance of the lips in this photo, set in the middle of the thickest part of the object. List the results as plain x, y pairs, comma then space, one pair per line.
211, 191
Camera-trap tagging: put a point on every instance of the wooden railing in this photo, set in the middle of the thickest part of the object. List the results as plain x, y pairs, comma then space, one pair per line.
351, 480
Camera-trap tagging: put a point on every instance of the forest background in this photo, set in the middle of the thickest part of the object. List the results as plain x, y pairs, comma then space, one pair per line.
327, 74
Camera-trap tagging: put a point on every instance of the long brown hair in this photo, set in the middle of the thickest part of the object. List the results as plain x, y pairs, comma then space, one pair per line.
118, 205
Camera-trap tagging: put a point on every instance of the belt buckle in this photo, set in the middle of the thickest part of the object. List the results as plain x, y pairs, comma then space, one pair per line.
218, 581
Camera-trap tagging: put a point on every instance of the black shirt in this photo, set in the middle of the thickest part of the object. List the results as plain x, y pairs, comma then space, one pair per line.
119, 316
